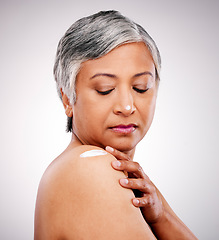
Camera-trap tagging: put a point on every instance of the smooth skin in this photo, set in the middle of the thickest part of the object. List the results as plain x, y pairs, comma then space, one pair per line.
80, 198
92, 197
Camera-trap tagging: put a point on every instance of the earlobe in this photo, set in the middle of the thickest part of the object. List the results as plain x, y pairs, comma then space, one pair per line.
66, 104
68, 111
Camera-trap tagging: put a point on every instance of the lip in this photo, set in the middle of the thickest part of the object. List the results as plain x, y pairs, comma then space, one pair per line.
124, 129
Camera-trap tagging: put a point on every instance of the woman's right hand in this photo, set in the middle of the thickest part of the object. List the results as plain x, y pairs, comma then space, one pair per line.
146, 195
163, 221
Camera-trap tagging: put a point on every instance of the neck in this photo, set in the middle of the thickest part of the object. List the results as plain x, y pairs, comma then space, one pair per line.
75, 142
130, 153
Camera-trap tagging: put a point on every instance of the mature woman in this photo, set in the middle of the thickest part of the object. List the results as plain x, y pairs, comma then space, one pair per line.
107, 71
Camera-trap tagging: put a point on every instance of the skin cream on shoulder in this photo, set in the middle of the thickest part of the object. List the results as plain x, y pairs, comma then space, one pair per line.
93, 153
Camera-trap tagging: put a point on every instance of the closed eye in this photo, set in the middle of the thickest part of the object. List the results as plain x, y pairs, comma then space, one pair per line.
105, 92
140, 90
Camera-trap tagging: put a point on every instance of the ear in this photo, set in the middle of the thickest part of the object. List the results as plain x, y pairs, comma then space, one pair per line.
66, 104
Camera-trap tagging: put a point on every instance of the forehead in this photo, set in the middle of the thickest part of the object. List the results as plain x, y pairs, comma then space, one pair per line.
129, 58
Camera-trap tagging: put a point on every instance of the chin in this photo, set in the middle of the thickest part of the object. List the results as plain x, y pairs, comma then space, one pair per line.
124, 146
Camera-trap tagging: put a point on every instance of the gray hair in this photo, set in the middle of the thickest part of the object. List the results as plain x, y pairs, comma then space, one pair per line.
93, 37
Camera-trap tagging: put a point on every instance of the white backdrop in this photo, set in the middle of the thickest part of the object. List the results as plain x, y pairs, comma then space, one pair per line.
179, 153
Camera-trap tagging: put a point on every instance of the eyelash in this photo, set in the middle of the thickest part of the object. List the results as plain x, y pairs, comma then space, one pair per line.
109, 91
140, 90
105, 92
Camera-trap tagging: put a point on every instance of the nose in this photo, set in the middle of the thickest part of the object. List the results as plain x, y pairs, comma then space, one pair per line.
124, 104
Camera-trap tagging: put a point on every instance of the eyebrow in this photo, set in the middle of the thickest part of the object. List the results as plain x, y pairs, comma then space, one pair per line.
104, 74
143, 73
114, 76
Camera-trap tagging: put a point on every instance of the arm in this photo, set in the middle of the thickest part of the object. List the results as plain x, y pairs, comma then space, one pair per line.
156, 211
170, 226
82, 197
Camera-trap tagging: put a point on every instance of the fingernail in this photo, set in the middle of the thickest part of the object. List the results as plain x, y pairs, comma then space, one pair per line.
124, 181
116, 163
109, 149
136, 201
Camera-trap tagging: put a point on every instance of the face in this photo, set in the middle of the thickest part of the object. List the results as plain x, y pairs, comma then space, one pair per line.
116, 96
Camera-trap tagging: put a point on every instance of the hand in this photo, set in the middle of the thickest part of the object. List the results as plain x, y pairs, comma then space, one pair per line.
145, 192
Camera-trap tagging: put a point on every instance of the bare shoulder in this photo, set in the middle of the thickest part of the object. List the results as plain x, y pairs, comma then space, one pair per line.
80, 198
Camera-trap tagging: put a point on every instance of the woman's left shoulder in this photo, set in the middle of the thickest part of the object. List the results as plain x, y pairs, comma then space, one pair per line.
61, 184
68, 165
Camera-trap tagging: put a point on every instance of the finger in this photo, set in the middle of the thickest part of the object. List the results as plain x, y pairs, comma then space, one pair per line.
139, 184
117, 154
131, 167
143, 202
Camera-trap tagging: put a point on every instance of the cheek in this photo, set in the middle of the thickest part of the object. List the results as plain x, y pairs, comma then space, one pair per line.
147, 110
151, 110
90, 110
96, 104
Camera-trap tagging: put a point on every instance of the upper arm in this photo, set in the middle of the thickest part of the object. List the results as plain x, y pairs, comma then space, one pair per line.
84, 200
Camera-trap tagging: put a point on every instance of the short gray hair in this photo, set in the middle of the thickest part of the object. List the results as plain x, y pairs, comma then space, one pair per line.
93, 37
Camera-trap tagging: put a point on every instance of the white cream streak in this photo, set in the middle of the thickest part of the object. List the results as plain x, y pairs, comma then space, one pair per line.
93, 153
128, 107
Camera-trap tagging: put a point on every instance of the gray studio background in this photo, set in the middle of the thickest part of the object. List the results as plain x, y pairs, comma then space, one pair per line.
180, 152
